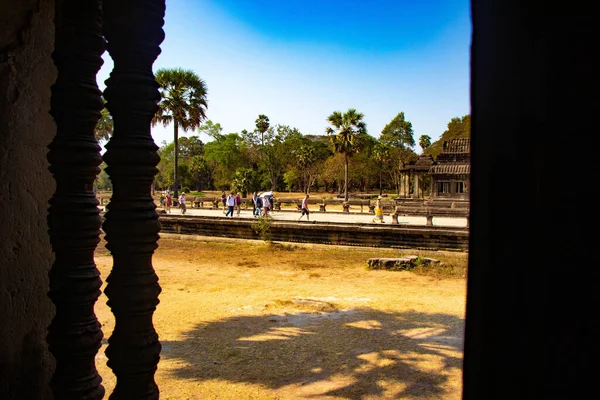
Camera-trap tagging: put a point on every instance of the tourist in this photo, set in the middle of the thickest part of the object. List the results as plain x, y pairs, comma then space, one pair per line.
168, 202
266, 206
378, 211
305, 208
182, 203
258, 204
238, 203
254, 203
230, 201
223, 201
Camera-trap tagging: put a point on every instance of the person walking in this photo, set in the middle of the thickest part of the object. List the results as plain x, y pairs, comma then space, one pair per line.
182, 203
305, 210
266, 206
254, 204
168, 202
258, 206
238, 203
378, 211
224, 200
230, 201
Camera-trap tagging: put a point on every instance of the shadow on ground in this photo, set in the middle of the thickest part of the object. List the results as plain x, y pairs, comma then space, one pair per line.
339, 353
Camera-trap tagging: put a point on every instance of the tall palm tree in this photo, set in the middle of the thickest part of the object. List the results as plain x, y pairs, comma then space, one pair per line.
424, 142
262, 125
346, 127
183, 103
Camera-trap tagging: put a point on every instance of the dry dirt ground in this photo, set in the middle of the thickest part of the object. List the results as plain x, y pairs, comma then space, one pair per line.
241, 320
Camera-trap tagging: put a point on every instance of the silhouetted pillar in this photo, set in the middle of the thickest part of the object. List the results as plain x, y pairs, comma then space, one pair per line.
75, 335
134, 32
416, 189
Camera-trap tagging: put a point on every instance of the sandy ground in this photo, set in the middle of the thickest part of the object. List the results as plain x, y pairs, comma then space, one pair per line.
242, 320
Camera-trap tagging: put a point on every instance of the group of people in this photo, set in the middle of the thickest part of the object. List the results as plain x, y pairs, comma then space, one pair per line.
261, 204
166, 200
231, 203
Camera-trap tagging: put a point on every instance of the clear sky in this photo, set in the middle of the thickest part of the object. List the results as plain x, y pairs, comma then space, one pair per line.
297, 61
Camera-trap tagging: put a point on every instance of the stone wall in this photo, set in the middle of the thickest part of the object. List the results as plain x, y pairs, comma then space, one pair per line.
411, 237
26, 185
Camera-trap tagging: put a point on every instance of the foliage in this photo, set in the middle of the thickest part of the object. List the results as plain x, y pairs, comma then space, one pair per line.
244, 181
183, 98
103, 181
210, 129
262, 227
104, 127
284, 158
291, 179
457, 128
262, 125
226, 153
346, 129
398, 133
183, 103
424, 141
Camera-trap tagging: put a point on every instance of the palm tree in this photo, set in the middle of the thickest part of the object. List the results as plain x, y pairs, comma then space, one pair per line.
348, 126
424, 142
183, 103
262, 125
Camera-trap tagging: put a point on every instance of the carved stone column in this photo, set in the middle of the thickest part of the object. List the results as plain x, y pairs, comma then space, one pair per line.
74, 335
416, 188
133, 30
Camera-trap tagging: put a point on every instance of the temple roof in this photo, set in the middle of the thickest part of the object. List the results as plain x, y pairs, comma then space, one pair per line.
457, 145
424, 162
450, 169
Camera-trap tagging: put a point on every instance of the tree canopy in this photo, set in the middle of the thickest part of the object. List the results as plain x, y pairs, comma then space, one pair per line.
457, 128
398, 133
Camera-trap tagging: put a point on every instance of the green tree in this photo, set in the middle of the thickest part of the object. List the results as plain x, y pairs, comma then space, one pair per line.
183, 103
211, 129
398, 133
201, 171
457, 128
424, 142
381, 156
262, 125
346, 128
227, 153
104, 127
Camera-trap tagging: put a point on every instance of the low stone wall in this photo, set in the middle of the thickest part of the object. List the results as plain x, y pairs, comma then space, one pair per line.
348, 234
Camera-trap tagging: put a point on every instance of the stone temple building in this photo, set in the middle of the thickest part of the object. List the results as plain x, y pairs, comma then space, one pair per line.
531, 320
450, 175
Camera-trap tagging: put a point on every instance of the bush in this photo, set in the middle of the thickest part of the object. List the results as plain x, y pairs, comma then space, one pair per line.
262, 226
186, 189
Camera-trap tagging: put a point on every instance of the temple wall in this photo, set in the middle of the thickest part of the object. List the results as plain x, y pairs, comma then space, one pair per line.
26, 185
411, 237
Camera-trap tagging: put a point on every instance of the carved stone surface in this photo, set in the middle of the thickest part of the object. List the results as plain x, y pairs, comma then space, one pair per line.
133, 30
74, 335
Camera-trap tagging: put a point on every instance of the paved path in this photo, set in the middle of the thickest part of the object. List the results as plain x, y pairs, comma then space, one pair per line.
330, 217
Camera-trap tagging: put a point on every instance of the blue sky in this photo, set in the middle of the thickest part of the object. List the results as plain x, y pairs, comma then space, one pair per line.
297, 61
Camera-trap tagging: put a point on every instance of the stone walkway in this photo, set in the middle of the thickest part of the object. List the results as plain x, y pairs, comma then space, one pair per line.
330, 217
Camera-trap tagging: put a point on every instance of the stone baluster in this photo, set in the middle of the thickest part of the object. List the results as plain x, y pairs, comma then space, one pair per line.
74, 335
133, 30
